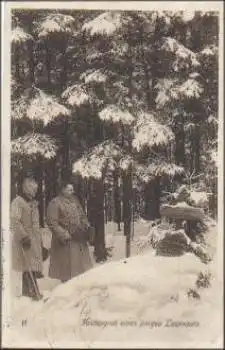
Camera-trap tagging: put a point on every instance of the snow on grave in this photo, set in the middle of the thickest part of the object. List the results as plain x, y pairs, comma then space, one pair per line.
91, 307
182, 211
199, 199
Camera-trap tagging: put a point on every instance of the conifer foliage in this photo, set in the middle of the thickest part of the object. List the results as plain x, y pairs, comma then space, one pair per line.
124, 102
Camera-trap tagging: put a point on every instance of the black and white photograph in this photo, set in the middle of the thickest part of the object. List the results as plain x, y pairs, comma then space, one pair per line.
112, 185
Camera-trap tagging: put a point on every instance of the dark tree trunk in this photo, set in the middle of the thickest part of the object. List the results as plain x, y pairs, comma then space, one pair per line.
51, 181
148, 91
100, 250
179, 143
63, 75
127, 207
117, 202
106, 206
41, 192
31, 62
17, 63
152, 200
80, 190
213, 199
48, 64
67, 171
14, 183
91, 203
196, 142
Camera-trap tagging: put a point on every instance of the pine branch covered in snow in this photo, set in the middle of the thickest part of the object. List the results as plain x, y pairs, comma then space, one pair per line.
19, 36
94, 163
165, 88
55, 23
190, 89
148, 132
76, 95
114, 114
34, 144
160, 168
106, 23
94, 76
40, 107
170, 90
185, 16
184, 58
208, 51
19, 108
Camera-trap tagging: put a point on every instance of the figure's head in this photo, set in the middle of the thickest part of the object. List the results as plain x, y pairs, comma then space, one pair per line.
67, 189
29, 187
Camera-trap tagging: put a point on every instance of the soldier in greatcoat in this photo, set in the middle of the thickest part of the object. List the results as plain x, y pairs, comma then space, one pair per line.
26, 238
69, 253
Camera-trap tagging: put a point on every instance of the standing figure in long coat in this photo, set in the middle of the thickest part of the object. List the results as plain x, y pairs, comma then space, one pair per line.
69, 253
26, 238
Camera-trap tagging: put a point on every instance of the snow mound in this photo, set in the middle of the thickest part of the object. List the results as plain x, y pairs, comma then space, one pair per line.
199, 199
111, 302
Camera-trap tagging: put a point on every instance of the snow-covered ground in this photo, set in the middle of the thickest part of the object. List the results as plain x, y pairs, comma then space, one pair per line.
135, 302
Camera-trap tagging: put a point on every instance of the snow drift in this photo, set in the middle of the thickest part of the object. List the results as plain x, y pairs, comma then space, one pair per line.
129, 301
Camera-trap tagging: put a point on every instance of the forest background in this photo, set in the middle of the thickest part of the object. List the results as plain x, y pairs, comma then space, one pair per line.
124, 102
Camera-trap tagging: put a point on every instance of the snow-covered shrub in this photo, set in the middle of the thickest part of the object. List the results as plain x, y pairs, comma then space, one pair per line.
193, 293
204, 280
199, 199
157, 231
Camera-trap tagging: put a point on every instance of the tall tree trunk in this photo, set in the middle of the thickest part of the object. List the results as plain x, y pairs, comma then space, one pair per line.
117, 202
127, 206
152, 200
148, 91
67, 171
17, 63
196, 148
91, 203
31, 62
179, 142
48, 64
80, 191
41, 192
51, 180
100, 250
63, 75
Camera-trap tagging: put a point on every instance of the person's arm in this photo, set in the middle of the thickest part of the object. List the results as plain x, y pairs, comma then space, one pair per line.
15, 221
53, 223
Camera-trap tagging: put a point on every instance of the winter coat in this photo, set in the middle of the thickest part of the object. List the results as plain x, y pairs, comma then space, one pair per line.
66, 218
24, 222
